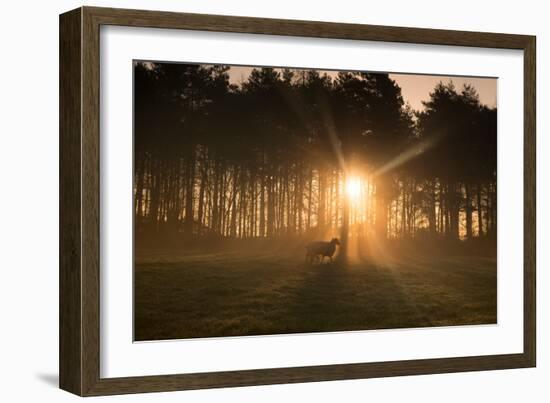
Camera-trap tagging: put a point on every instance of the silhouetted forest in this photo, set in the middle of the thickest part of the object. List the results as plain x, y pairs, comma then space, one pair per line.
300, 153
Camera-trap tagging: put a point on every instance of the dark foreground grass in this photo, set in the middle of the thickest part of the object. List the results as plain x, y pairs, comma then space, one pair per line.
197, 294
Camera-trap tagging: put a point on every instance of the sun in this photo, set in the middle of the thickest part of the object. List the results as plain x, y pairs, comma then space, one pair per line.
353, 188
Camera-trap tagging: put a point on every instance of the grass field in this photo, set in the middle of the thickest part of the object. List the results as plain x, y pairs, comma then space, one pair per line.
206, 294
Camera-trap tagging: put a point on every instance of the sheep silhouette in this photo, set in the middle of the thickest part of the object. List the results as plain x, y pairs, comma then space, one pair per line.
321, 249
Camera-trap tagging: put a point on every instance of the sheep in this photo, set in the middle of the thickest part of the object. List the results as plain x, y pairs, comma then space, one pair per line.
322, 249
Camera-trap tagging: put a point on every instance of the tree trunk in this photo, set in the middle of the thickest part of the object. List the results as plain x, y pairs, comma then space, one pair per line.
262, 205
310, 199
432, 216
479, 212
344, 233
234, 190
321, 207
189, 190
381, 222
202, 188
270, 207
454, 210
469, 211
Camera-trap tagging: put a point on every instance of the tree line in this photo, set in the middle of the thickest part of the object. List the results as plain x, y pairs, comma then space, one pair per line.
301, 153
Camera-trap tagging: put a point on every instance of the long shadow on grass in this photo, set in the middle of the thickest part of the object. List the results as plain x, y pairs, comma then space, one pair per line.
353, 296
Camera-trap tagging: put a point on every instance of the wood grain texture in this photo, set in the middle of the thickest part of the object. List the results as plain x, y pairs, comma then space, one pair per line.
160, 383
530, 200
79, 201
90, 202
70, 313
268, 26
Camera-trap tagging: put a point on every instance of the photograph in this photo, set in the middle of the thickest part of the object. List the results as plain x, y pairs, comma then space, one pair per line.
272, 200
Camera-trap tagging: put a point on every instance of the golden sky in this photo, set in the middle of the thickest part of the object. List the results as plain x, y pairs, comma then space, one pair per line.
415, 87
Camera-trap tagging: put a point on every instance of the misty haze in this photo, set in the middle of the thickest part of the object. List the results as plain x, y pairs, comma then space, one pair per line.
276, 201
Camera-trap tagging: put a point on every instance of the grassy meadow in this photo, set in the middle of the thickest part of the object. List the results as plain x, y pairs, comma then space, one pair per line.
238, 168
197, 294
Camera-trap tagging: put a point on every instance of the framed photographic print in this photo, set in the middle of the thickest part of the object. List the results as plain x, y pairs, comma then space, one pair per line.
250, 201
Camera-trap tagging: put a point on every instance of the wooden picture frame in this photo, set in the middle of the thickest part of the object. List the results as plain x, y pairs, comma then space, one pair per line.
79, 347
